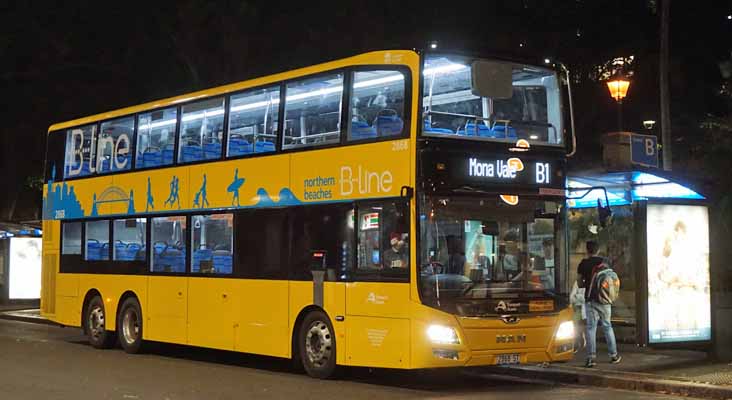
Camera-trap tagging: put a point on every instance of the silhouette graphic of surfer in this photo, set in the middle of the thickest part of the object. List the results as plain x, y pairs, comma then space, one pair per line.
150, 203
234, 187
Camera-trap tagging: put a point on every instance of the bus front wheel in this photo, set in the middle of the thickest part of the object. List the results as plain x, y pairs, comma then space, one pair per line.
95, 325
317, 345
129, 326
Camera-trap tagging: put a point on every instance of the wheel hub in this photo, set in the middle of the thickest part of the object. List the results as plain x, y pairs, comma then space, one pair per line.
318, 343
96, 322
130, 326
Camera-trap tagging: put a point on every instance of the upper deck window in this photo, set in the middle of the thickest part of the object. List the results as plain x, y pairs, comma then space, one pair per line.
114, 146
80, 151
253, 118
533, 112
201, 131
156, 138
377, 105
313, 111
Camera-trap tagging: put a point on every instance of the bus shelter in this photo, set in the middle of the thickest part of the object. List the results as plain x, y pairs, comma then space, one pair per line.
657, 240
20, 263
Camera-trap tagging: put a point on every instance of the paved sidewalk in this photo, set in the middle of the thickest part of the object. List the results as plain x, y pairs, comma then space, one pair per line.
32, 315
680, 372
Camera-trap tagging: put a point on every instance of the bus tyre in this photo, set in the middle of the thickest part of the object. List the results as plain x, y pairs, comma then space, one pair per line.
129, 326
95, 325
317, 345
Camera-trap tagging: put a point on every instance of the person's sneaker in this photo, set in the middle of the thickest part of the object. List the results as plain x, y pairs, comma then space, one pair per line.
616, 359
590, 363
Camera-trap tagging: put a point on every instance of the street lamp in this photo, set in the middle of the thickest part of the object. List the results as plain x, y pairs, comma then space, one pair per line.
618, 86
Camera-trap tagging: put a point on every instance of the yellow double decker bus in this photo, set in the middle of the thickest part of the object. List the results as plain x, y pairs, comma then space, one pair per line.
393, 209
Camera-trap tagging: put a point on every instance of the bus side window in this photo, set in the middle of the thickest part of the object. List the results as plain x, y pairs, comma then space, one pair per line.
313, 111
201, 131
383, 240
261, 244
213, 242
97, 240
377, 105
168, 244
327, 228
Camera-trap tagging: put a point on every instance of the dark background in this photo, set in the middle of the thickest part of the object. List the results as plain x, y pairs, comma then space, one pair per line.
63, 60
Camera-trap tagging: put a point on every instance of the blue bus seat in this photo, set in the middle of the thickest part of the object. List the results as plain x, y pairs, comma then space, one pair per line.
362, 130
263, 147
429, 129
239, 146
499, 131
388, 125
211, 151
190, 153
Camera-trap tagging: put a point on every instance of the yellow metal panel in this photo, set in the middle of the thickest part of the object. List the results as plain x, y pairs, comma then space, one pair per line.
377, 324
378, 342
212, 311
67, 285
371, 170
262, 317
68, 310
394, 57
166, 317
378, 299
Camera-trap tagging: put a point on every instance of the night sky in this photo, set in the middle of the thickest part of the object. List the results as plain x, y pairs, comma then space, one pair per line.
64, 60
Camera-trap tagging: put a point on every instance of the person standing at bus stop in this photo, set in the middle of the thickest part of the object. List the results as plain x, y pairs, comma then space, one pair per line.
598, 312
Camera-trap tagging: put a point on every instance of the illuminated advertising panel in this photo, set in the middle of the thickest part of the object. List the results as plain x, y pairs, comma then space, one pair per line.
25, 268
679, 302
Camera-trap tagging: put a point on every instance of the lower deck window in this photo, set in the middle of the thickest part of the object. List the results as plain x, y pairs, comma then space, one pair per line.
168, 238
97, 241
213, 238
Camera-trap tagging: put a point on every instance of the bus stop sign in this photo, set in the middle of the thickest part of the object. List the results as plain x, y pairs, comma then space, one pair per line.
644, 150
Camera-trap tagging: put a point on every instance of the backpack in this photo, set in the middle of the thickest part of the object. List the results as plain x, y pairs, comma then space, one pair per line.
605, 284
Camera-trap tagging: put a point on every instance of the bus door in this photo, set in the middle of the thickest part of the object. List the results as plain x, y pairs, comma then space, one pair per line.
377, 295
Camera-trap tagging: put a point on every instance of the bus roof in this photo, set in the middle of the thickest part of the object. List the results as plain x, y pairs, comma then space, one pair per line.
399, 57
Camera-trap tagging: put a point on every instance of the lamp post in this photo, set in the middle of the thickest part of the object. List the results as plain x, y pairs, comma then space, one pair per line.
618, 86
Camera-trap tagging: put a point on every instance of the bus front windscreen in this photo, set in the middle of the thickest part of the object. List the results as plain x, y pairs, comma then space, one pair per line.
529, 110
477, 247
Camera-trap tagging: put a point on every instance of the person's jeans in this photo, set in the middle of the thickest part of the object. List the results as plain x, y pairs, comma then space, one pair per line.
599, 314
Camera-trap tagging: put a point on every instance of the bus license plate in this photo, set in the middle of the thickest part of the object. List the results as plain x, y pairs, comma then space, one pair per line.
507, 359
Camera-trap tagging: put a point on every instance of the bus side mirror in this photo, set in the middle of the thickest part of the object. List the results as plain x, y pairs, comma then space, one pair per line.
493, 79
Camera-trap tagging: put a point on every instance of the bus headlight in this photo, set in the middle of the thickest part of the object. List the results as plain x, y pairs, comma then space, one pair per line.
441, 334
565, 331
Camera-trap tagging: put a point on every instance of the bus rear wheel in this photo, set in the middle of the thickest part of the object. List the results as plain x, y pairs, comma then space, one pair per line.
95, 325
129, 326
317, 345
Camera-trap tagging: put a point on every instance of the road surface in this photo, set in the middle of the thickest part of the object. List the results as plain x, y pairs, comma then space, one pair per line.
47, 362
